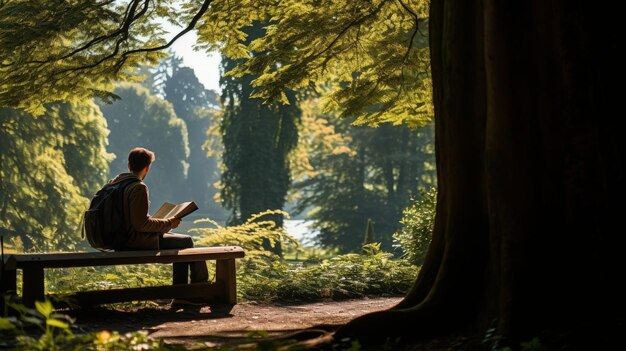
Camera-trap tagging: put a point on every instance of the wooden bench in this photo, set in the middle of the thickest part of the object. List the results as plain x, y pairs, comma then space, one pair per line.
223, 290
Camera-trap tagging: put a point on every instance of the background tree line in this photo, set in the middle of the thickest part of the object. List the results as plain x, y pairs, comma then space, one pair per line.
270, 154
343, 174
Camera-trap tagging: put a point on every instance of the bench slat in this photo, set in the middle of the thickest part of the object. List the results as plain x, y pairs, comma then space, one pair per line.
87, 259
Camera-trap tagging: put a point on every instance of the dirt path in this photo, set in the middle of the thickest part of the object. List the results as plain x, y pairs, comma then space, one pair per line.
221, 324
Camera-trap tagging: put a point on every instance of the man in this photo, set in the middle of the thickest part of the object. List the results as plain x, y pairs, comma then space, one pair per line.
144, 232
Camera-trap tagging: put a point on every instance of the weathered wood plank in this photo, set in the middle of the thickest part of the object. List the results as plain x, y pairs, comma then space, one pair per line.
9, 262
225, 273
88, 259
9, 281
180, 273
33, 286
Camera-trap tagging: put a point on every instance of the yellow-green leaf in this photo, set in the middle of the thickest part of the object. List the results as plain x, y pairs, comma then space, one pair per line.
6, 324
45, 307
57, 323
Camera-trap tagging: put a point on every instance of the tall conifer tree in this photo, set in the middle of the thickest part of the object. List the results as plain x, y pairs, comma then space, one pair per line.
257, 139
194, 104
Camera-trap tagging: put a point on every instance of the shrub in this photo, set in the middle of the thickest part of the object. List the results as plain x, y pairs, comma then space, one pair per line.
417, 227
265, 276
341, 277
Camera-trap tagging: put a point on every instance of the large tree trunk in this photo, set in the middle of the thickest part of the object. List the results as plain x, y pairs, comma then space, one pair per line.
528, 234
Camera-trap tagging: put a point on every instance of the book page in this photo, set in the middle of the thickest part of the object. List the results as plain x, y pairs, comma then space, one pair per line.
177, 209
164, 210
168, 210
184, 209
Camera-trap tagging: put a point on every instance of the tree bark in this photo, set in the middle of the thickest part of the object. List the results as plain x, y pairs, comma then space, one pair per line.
530, 173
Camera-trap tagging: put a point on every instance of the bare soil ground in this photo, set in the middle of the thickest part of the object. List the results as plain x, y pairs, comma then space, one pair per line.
222, 324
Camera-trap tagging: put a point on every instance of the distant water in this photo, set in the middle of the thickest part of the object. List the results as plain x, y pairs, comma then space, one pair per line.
301, 229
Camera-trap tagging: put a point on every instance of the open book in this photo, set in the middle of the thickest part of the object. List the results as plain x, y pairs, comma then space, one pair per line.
168, 210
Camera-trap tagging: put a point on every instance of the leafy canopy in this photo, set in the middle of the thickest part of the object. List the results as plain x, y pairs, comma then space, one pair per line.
73, 50
372, 54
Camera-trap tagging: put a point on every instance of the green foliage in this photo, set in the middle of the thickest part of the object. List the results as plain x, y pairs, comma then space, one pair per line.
73, 50
49, 166
250, 235
182, 88
84, 132
374, 52
54, 329
309, 254
345, 276
496, 342
257, 140
55, 333
142, 119
138, 340
263, 275
417, 226
349, 174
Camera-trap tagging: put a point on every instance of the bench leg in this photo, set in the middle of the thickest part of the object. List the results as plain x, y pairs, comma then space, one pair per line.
180, 273
225, 274
33, 286
8, 287
9, 281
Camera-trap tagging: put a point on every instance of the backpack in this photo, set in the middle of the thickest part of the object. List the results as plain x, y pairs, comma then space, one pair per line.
104, 220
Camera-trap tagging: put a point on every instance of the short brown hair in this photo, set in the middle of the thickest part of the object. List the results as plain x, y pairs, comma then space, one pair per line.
139, 158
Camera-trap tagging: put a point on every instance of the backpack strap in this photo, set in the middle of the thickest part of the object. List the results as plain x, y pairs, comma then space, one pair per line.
121, 187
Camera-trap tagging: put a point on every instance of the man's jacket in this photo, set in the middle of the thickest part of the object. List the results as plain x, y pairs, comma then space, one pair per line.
142, 230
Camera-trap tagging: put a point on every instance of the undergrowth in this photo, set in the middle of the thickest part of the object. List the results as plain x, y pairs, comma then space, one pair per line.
261, 276
265, 276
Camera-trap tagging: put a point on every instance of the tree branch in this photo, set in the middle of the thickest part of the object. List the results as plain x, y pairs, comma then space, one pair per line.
356, 21
415, 31
91, 43
350, 25
123, 34
190, 26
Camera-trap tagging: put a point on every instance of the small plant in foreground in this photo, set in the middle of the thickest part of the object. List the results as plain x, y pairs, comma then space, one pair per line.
44, 329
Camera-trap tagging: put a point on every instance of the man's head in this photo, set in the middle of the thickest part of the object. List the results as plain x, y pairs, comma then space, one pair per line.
139, 160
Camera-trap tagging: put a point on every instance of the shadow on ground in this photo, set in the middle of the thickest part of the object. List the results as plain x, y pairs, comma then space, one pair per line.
226, 324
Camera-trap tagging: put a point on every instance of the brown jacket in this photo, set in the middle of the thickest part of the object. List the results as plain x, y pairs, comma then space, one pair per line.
142, 230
